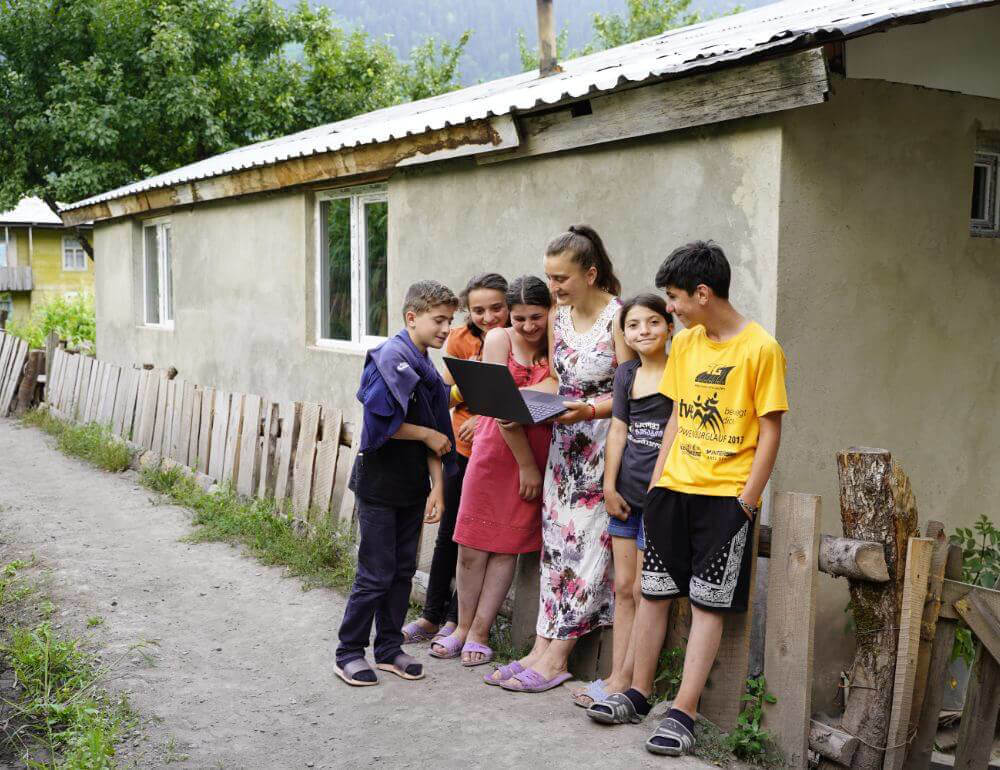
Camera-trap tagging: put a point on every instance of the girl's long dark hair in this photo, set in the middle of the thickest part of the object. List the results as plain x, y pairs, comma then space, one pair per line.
649, 301
586, 248
531, 290
493, 281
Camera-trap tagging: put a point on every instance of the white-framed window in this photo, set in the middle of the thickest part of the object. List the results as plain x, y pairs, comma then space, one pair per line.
74, 257
352, 230
157, 274
985, 216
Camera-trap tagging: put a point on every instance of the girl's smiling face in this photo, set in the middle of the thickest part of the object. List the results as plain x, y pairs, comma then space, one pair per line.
646, 331
487, 309
530, 322
568, 282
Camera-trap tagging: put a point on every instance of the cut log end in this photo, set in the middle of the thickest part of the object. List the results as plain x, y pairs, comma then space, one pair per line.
832, 744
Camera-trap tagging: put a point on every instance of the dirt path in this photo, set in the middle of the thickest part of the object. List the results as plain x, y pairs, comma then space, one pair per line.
241, 669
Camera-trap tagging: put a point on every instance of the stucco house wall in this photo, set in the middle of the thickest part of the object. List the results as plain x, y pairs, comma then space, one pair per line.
244, 270
887, 308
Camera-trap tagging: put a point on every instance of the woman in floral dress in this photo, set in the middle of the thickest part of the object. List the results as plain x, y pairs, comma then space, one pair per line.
576, 594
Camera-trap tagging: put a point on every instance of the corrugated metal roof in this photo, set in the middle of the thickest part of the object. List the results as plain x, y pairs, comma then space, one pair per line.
30, 211
788, 24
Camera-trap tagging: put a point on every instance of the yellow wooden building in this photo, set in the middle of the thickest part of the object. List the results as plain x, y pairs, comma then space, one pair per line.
40, 258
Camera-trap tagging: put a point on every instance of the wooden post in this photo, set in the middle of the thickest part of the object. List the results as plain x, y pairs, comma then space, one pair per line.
791, 614
26, 392
979, 718
547, 54
928, 624
51, 345
918, 567
876, 504
922, 747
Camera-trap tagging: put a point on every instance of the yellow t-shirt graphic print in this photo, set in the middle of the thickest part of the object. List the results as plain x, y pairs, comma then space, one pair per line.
720, 389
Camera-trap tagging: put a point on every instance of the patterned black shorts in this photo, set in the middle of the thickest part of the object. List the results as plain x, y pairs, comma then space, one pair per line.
697, 546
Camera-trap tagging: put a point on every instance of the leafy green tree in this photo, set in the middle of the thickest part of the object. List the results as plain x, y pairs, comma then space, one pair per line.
643, 18
99, 93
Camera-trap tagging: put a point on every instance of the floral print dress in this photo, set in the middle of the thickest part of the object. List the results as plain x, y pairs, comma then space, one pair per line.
576, 590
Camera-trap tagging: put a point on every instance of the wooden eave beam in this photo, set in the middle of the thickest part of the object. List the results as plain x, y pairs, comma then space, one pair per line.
781, 83
474, 137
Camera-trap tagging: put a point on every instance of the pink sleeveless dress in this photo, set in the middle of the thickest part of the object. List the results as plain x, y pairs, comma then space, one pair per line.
491, 515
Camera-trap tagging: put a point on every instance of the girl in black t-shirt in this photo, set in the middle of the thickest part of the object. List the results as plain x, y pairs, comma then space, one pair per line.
639, 415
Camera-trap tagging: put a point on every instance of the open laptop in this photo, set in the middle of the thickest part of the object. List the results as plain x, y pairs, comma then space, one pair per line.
490, 390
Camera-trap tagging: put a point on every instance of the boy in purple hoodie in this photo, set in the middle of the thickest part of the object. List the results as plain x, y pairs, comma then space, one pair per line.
406, 449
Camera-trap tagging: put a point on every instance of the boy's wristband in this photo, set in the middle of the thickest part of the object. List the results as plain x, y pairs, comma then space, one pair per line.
750, 510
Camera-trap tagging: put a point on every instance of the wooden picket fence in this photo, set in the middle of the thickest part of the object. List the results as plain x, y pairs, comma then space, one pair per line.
285, 450
289, 451
13, 355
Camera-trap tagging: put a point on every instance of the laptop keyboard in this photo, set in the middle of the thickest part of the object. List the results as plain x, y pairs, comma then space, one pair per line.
541, 411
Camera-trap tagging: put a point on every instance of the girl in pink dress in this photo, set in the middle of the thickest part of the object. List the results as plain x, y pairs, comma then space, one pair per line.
499, 515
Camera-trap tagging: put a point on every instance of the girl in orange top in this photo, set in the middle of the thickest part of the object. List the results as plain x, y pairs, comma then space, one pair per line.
484, 299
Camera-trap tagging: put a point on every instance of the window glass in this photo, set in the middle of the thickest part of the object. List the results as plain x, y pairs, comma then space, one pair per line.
3, 254
152, 275
376, 224
168, 273
337, 277
980, 191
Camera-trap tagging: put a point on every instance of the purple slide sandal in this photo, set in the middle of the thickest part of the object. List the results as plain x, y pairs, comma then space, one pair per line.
506, 672
530, 680
477, 647
452, 646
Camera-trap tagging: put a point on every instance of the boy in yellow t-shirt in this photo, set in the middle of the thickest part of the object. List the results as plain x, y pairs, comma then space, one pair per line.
726, 376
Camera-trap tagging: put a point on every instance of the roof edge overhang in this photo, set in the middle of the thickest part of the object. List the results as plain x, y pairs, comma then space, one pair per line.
492, 137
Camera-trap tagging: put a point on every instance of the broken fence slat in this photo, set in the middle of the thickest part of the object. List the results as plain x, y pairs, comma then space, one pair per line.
147, 414
194, 427
248, 463
267, 456
327, 451
305, 453
127, 430
110, 394
205, 429
290, 417
181, 435
118, 410
232, 457
161, 413
220, 427
15, 369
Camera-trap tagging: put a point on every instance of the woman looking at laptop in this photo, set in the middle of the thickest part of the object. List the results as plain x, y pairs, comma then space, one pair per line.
499, 514
585, 347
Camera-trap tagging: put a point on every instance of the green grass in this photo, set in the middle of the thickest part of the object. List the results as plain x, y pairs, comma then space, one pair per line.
93, 443
324, 558
60, 716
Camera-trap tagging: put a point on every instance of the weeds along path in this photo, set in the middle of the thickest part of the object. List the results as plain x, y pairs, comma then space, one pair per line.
238, 673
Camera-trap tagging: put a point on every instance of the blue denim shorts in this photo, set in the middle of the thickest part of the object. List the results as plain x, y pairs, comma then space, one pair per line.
631, 527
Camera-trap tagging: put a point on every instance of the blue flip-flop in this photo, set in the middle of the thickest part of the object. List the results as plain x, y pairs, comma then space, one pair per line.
595, 691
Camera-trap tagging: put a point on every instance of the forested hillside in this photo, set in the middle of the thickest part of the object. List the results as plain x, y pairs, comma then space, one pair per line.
492, 51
